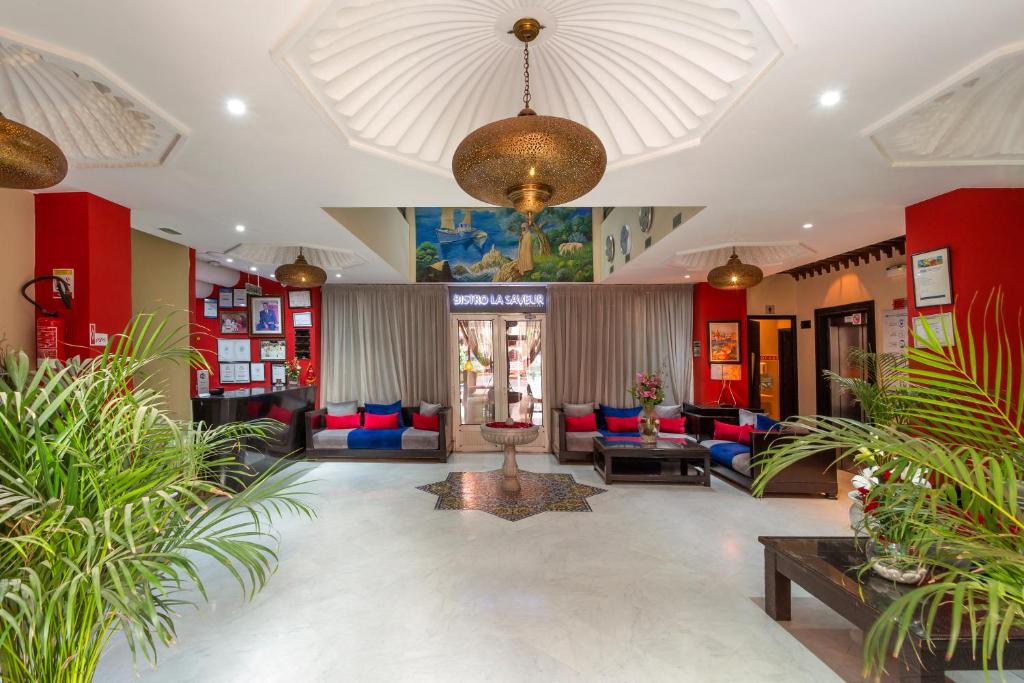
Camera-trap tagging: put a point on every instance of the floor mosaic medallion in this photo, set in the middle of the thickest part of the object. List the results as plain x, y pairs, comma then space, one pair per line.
540, 493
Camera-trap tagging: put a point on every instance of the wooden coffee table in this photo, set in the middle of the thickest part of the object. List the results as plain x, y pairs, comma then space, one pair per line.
627, 458
826, 568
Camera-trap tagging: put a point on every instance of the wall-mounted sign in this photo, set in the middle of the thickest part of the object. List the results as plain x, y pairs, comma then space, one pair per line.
68, 276
497, 299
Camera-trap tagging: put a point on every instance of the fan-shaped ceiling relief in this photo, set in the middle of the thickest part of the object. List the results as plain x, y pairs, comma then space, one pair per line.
276, 254
972, 118
764, 255
410, 78
90, 118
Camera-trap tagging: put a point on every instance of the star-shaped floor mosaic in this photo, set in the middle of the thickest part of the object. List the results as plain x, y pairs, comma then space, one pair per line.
540, 493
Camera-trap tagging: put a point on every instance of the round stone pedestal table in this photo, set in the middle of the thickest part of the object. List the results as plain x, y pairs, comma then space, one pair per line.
510, 435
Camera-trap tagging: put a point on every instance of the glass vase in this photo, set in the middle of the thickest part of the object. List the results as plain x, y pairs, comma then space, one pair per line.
649, 425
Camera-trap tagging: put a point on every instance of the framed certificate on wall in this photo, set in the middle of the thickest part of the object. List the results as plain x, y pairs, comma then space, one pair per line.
933, 285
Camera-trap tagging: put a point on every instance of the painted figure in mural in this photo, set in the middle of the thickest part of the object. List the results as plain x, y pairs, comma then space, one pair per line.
524, 260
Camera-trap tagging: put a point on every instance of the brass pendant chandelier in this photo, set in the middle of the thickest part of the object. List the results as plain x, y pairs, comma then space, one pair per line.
529, 162
735, 274
301, 273
28, 159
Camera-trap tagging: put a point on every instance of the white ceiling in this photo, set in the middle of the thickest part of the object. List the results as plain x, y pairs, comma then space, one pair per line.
774, 161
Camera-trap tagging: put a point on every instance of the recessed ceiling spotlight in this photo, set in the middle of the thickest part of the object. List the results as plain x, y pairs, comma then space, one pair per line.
236, 107
230, 260
239, 228
830, 98
808, 226
253, 268
337, 275
687, 277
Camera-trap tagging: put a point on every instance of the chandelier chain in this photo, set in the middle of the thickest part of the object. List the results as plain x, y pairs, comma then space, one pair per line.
526, 75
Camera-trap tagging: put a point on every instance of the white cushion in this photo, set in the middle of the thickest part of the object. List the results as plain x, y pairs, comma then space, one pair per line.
747, 418
577, 409
580, 441
670, 412
419, 439
429, 409
331, 438
342, 408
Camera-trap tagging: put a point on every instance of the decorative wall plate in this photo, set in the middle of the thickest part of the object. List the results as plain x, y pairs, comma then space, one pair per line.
624, 242
646, 218
609, 248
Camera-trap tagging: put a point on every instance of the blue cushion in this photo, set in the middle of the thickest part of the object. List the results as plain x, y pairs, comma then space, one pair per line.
376, 439
609, 411
763, 423
723, 453
386, 409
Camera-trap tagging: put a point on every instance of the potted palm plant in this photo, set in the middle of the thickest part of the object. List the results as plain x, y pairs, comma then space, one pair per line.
961, 428
107, 503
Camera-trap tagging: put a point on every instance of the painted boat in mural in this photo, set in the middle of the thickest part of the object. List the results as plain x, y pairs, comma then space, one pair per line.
449, 233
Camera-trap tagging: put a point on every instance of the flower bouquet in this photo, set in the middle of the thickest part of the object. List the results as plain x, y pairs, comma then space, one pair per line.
648, 392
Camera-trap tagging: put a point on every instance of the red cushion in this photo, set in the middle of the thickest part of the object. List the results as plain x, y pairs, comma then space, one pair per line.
431, 423
280, 414
389, 421
728, 432
672, 425
623, 424
343, 421
581, 423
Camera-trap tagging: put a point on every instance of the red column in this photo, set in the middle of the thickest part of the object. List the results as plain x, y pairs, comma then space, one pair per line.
92, 237
710, 304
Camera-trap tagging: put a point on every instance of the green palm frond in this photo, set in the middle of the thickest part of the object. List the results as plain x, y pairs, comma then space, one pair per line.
961, 422
107, 504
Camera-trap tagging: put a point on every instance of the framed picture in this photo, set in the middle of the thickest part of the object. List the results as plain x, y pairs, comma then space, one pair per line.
299, 298
257, 372
234, 322
266, 316
277, 374
940, 325
273, 349
209, 308
226, 297
933, 285
302, 319
724, 341
240, 297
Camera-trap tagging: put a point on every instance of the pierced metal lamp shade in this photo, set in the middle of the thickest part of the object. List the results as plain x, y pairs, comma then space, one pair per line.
528, 162
28, 159
301, 274
735, 274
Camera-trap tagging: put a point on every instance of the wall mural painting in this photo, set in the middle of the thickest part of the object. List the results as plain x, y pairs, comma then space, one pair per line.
494, 245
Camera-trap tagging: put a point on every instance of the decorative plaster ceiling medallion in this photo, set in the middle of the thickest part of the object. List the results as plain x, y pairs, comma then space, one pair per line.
95, 122
763, 255
409, 79
274, 254
973, 118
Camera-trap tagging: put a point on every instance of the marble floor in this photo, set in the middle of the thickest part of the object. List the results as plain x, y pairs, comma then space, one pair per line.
658, 583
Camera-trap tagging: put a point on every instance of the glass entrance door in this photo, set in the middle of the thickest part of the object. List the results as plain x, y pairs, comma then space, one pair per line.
498, 373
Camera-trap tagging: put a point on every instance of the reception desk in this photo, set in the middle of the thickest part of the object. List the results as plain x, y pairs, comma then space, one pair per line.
286, 405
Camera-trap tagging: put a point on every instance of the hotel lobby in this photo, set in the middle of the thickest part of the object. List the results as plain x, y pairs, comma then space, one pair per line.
395, 340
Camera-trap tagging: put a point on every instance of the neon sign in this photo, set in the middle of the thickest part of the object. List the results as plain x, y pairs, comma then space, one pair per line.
497, 299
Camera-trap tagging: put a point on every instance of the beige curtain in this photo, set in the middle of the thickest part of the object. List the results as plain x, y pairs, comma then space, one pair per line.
602, 335
382, 343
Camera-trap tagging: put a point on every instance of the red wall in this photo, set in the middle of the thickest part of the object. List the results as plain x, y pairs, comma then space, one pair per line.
710, 304
93, 236
983, 229
206, 331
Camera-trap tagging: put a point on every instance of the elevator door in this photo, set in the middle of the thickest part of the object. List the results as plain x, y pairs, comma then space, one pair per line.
498, 373
839, 330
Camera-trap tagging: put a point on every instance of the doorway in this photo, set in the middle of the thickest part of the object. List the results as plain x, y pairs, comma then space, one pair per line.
490, 352
836, 331
771, 371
